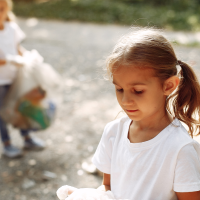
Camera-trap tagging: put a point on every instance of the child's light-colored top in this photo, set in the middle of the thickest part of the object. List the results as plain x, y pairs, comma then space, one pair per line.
10, 37
151, 170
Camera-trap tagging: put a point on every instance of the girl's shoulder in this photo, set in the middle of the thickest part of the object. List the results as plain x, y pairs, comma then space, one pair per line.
180, 137
116, 126
113, 130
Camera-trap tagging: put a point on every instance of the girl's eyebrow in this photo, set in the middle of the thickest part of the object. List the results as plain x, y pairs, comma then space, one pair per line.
132, 84
138, 83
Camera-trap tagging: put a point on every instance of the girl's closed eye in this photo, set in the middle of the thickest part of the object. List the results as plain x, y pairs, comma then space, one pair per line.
119, 89
135, 91
138, 91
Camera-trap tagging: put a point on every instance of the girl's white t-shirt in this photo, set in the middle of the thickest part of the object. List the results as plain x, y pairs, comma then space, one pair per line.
151, 170
10, 37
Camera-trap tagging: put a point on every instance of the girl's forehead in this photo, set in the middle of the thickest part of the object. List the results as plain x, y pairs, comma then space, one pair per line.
130, 74
134, 70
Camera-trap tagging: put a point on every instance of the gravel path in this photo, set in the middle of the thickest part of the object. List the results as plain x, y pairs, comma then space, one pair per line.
86, 103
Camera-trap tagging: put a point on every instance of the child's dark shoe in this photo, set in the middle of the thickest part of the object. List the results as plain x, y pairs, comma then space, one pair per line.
34, 144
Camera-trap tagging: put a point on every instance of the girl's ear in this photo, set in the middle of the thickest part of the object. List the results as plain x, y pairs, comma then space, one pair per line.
170, 85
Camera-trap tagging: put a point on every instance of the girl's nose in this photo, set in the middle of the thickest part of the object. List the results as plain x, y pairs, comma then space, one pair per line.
127, 99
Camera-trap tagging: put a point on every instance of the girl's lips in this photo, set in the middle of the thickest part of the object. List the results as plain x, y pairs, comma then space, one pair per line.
131, 110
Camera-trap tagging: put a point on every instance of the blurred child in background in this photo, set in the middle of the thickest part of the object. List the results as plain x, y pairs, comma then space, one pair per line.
10, 37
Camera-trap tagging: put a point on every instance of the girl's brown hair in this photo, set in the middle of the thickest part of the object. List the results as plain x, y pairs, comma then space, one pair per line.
148, 47
10, 15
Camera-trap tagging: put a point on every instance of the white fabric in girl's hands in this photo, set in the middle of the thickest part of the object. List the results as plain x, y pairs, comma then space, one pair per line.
90, 194
63, 191
83, 194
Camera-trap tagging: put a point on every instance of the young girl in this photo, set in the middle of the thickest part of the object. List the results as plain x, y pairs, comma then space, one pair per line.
148, 154
10, 37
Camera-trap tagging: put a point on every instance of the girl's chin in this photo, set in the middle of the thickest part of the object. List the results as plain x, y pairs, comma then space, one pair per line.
134, 117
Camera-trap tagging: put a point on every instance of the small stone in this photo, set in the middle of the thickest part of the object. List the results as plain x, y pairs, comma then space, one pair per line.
19, 173
90, 148
27, 183
80, 172
45, 191
69, 138
11, 164
64, 178
32, 162
49, 175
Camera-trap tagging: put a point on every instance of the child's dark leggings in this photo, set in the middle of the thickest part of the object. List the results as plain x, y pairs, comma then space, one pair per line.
3, 128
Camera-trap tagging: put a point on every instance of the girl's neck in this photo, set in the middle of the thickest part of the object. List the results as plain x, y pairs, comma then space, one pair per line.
147, 129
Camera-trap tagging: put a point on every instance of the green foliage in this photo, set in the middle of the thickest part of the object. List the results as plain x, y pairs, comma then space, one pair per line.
174, 3
23, 1
129, 12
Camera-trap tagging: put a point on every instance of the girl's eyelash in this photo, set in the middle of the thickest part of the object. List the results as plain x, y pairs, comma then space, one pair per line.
119, 90
138, 92
135, 91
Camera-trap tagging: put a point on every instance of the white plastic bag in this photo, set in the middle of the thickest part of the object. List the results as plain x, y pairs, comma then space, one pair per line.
35, 72
27, 105
45, 74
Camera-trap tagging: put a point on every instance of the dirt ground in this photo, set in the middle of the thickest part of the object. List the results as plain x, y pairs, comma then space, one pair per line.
86, 103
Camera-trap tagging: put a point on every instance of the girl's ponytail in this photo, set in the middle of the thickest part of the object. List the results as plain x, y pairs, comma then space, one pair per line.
186, 102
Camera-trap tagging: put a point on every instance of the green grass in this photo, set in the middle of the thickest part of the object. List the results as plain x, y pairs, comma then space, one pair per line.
107, 11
